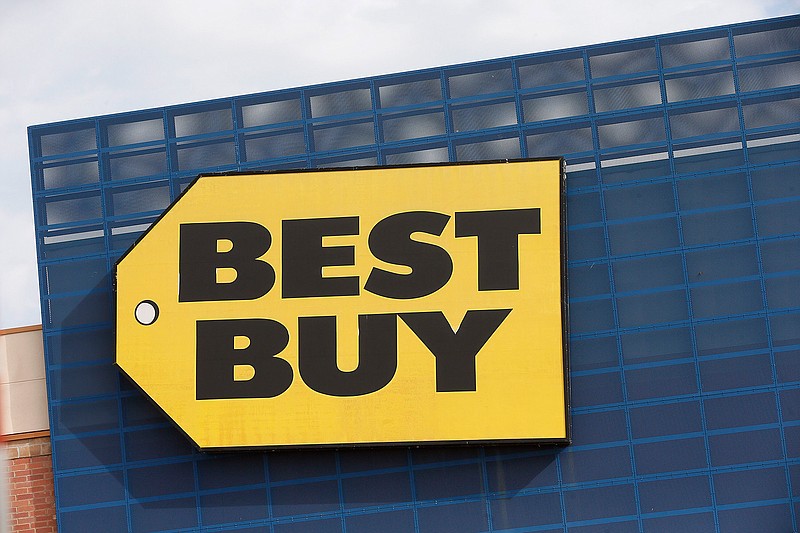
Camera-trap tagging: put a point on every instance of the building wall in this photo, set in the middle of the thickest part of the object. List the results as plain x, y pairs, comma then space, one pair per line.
23, 392
25, 429
30, 482
682, 157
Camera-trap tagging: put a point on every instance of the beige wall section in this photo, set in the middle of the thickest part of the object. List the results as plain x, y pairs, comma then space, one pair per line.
23, 393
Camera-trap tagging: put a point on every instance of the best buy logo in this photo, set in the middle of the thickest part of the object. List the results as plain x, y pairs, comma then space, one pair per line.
390, 305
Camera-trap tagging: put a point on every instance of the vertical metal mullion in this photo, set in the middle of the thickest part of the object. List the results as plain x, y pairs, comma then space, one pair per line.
305, 114
523, 146
239, 148
688, 292
110, 269
448, 125
270, 512
34, 145
413, 484
762, 280
375, 100
197, 500
612, 287
103, 208
560, 486
340, 489
171, 151
485, 487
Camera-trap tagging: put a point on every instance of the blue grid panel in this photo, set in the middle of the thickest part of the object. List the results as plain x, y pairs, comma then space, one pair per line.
683, 165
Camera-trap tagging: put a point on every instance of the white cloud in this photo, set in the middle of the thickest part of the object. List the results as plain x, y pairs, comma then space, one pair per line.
64, 60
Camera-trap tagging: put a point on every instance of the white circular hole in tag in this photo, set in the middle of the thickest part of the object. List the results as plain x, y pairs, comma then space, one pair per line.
146, 312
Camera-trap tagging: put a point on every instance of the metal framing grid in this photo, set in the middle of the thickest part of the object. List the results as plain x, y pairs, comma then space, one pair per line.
683, 153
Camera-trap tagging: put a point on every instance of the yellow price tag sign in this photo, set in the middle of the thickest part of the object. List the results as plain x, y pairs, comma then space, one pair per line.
408, 305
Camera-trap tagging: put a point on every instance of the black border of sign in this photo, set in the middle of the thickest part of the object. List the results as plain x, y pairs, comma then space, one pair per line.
439, 443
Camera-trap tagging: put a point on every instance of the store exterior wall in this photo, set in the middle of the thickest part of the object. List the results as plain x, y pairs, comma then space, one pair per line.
30, 482
682, 157
26, 439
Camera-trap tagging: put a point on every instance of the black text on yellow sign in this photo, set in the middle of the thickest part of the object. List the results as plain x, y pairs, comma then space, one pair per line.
303, 257
397, 305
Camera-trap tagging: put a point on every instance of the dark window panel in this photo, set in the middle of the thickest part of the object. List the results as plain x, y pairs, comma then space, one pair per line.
736, 372
467, 517
745, 447
666, 419
739, 411
526, 511
675, 494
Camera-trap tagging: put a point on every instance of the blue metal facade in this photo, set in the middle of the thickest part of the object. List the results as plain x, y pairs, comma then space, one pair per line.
684, 269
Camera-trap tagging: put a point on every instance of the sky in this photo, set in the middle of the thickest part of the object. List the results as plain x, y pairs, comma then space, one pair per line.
71, 59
